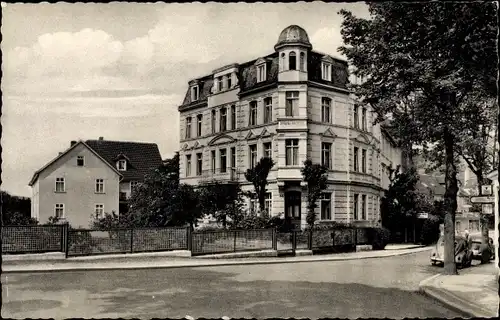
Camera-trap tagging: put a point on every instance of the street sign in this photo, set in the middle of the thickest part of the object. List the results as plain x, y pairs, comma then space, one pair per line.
486, 190
422, 215
482, 199
487, 208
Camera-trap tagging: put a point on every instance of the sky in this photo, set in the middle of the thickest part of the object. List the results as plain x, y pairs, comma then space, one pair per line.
120, 70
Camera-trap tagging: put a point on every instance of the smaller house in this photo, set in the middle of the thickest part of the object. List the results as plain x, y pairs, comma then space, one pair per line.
89, 179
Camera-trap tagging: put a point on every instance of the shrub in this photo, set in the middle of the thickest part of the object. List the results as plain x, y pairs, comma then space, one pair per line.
330, 225
210, 228
253, 222
430, 231
380, 238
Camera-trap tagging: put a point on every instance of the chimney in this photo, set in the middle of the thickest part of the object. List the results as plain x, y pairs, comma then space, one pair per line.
101, 138
73, 142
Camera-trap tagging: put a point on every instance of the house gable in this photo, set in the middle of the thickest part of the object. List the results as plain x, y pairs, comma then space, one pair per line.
221, 139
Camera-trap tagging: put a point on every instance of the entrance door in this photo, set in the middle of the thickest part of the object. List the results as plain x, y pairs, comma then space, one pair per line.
292, 206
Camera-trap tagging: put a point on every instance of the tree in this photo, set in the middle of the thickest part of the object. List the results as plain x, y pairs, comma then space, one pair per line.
316, 177
460, 55
258, 177
222, 201
16, 210
400, 203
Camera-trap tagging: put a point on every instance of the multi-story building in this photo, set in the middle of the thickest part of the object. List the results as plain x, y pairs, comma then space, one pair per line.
289, 105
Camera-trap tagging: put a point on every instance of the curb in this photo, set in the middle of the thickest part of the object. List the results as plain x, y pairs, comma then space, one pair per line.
452, 301
208, 264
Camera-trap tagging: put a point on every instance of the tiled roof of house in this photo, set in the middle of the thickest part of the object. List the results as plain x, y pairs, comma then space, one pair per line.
141, 157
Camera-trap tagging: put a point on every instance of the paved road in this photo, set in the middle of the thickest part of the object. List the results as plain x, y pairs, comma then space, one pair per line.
346, 289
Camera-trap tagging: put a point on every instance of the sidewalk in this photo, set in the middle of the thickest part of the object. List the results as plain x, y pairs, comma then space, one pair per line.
142, 261
474, 291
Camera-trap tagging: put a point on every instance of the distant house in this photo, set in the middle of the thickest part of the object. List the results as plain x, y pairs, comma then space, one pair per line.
91, 178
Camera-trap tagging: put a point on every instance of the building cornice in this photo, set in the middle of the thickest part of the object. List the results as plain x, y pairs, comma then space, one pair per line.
272, 85
193, 105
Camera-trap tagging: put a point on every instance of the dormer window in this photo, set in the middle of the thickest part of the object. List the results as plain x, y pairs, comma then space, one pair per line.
195, 93
121, 165
326, 71
261, 72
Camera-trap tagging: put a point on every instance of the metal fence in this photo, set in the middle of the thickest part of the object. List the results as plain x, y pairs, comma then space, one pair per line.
209, 242
33, 239
83, 242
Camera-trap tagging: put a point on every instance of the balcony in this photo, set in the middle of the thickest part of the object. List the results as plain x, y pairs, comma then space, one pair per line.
292, 124
229, 175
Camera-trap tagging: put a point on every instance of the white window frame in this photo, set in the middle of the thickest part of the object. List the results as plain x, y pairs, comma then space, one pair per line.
323, 151
62, 181
233, 117
188, 165
291, 103
268, 202
213, 120
364, 207
292, 55
59, 206
326, 104
252, 155
99, 206
233, 158
220, 83
268, 110
364, 121
82, 158
292, 146
99, 182
189, 122
223, 119
325, 197
355, 209
199, 159
195, 93
261, 72
355, 159
199, 125
364, 161
213, 160
223, 156
229, 81
253, 115
121, 168
326, 71
355, 116
268, 152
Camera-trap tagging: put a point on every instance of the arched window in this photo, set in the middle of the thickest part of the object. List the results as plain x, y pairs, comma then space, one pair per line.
302, 61
292, 61
282, 64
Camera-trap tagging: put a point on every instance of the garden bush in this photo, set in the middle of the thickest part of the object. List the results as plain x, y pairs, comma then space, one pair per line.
380, 238
430, 231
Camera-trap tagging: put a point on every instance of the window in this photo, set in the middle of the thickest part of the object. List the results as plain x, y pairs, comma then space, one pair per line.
121, 165
302, 61
59, 210
220, 84
326, 154
233, 117
60, 185
188, 165
356, 117
292, 61
363, 207
268, 202
99, 185
253, 113
80, 161
233, 157
292, 152
223, 160
133, 185
261, 73
213, 161
268, 150
326, 206
223, 119
363, 160
253, 155
199, 163
326, 71
356, 200
325, 109
268, 110
188, 127
194, 93
199, 121
99, 211
213, 120
229, 80
363, 119
292, 103
282, 64
356, 164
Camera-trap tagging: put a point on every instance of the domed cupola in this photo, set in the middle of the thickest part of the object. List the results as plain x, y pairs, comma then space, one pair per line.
293, 35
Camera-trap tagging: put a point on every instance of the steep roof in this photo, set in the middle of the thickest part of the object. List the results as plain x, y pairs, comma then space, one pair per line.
141, 157
62, 154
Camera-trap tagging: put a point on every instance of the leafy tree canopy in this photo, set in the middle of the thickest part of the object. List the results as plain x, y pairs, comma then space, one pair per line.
316, 177
258, 177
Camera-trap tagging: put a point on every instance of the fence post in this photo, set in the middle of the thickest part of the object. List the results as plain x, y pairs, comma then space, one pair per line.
275, 239
67, 240
132, 240
189, 239
294, 241
309, 239
234, 240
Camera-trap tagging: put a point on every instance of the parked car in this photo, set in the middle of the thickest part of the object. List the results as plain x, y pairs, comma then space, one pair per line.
482, 251
463, 255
